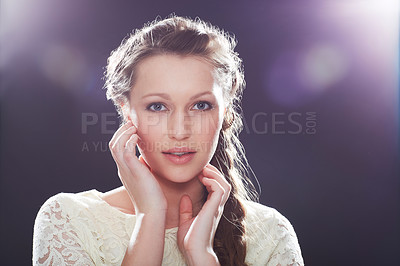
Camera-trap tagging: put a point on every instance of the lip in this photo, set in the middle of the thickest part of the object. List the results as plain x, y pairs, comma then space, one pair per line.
176, 159
182, 149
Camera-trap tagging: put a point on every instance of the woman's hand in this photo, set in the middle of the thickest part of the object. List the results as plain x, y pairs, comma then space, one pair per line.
143, 188
196, 234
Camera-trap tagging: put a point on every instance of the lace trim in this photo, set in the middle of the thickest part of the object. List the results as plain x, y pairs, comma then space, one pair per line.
54, 241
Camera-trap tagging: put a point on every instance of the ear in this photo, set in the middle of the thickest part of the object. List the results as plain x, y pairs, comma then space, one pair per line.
125, 112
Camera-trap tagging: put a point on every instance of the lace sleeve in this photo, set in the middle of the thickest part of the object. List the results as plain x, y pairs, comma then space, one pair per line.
287, 250
55, 242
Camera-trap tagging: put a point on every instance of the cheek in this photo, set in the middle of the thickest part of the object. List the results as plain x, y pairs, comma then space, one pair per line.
150, 132
147, 123
147, 143
209, 127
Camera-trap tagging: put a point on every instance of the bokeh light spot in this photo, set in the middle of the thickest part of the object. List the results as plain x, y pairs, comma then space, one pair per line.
65, 66
297, 77
322, 66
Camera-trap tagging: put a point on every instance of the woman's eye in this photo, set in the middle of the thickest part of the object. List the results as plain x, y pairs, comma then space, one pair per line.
155, 107
203, 106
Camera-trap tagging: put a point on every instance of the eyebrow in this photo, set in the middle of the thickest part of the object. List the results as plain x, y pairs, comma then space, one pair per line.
166, 96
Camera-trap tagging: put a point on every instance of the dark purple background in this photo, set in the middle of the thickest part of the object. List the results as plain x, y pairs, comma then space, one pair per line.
339, 187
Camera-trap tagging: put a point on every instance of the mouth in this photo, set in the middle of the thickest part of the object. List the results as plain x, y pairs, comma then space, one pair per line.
180, 154
179, 157
179, 151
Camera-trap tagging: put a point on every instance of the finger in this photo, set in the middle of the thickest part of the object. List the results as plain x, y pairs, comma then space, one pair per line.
129, 153
211, 169
130, 145
214, 202
218, 172
185, 209
120, 144
208, 172
124, 136
213, 187
117, 133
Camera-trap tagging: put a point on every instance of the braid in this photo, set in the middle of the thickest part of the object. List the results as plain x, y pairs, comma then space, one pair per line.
229, 240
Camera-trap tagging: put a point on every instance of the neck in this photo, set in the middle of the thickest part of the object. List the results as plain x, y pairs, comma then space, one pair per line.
173, 193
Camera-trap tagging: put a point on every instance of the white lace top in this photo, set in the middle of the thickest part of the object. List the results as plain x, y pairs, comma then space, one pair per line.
83, 229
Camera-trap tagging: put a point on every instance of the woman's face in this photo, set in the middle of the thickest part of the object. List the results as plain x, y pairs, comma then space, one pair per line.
176, 103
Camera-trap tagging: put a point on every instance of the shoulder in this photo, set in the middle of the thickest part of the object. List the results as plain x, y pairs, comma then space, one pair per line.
62, 224
270, 235
69, 203
257, 213
267, 223
85, 220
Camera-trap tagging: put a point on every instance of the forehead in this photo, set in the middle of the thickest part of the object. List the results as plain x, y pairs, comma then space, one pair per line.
175, 75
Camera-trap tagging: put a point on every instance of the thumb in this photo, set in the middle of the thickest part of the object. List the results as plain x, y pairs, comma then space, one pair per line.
185, 209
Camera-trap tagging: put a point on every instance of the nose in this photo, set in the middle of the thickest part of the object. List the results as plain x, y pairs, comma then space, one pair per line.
179, 126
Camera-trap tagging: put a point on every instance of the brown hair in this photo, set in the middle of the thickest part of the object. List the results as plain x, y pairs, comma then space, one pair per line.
185, 36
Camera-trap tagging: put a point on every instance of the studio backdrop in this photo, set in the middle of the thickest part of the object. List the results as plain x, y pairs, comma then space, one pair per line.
320, 113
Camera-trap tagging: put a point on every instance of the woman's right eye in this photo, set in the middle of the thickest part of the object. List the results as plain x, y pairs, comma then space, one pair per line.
155, 107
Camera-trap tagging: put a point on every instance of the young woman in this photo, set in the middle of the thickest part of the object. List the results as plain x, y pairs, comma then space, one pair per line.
186, 200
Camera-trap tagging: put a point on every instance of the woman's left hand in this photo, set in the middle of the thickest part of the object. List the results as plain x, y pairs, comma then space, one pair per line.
196, 234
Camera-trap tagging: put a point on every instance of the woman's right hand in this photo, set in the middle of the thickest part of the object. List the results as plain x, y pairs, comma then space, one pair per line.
143, 188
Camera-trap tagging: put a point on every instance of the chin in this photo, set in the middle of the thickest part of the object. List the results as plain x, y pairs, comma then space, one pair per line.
179, 174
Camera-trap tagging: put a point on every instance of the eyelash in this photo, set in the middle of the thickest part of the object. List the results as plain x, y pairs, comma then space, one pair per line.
152, 104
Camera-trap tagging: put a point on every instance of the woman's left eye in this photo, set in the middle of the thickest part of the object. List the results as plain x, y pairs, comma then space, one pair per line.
203, 106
